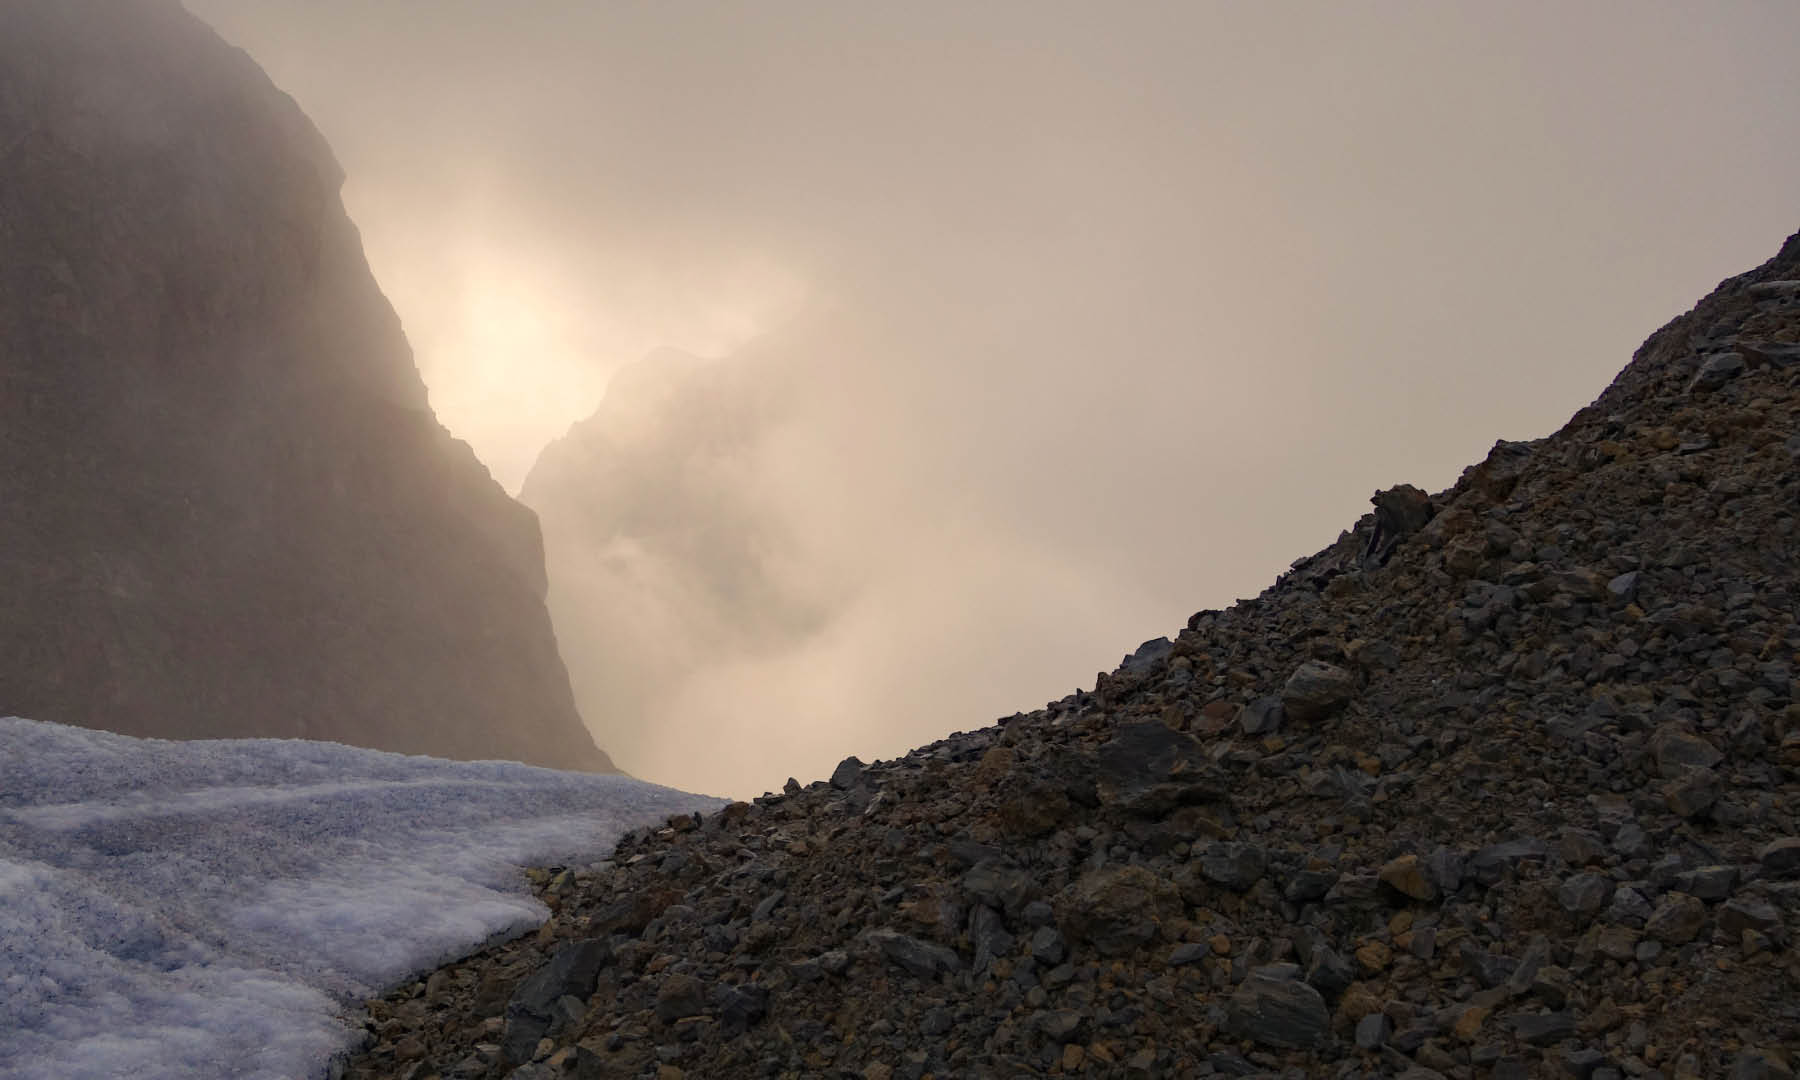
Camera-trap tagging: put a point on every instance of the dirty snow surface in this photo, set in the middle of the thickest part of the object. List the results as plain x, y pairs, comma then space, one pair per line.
216, 909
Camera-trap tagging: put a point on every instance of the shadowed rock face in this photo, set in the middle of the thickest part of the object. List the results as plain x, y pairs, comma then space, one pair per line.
227, 507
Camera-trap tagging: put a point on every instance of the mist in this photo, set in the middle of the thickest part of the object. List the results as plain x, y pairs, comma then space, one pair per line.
997, 340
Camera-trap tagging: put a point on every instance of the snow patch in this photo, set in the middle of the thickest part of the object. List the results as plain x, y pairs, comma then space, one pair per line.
217, 908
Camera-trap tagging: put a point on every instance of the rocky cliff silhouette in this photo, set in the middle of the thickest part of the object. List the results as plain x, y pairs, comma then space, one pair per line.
228, 509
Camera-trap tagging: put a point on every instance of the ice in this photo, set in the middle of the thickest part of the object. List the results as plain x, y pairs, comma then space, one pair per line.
216, 909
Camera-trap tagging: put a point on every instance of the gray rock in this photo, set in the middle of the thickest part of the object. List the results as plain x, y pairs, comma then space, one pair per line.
1780, 858
1059, 1025
987, 932
1709, 883
848, 774
1543, 1029
1329, 972
1693, 793
1583, 894
1118, 909
679, 996
572, 972
1047, 946
1717, 370
1753, 1063
1282, 1013
1147, 655
1446, 868
923, 958
739, 1007
1308, 885
1677, 750
1399, 512
1625, 586
1000, 885
1628, 907
1677, 920
1148, 769
1191, 952
1262, 716
1746, 913
1234, 866
1583, 1062
1373, 1030
1316, 690
567, 1012
1490, 865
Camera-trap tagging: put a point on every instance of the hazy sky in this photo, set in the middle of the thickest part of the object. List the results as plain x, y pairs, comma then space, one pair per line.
1122, 307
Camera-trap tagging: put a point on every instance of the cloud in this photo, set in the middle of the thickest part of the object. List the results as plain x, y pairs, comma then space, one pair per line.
1099, 315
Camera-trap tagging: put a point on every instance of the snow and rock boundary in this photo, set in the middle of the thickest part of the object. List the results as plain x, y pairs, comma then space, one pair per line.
217, 908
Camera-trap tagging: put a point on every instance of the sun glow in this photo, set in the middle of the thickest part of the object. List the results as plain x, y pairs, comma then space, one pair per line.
513, 352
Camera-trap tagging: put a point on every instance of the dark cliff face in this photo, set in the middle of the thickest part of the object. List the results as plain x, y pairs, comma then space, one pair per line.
227, 507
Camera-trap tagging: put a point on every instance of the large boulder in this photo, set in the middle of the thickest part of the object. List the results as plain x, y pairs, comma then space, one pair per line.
1315, 690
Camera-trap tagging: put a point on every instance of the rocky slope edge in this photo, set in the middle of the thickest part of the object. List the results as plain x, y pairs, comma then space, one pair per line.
228, 508
1502, 784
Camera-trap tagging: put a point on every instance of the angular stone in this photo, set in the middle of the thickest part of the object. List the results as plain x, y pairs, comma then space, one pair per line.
1677, 920
1000, 885
1678, 750
1746, 913
1147, 655
1543, 1029
1693, 793
1446, 868
1118, 909
1262, 716
848, 773
572, 972
1329, 972
1717, 370
1400, 511
1282, 1013
1148, 769
1232, 865
1373, 1030
1406, 875
1709, 883
1490, 864
1047, 946
1625, 586
1583, 894
923, 958
1316, 690
1780, 858
679, 996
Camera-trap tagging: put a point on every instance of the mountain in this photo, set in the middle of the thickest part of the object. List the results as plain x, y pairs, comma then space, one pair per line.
1504, 783
229, 510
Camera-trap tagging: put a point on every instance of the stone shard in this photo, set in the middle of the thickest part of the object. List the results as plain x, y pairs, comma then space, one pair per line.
923, 958
531, 1012
1279, 1012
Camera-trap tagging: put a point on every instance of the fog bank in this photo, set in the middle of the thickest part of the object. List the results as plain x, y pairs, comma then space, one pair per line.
1043, 325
